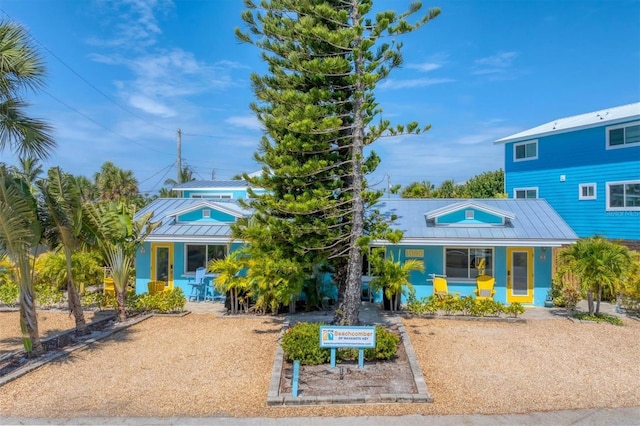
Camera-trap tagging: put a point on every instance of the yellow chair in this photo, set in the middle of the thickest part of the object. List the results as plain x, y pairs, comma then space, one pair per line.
109, 287
440, 288
485, 290
156, 287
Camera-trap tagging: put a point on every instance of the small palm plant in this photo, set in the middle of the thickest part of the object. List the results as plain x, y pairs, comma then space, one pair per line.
598, 264
230, 279
393, 277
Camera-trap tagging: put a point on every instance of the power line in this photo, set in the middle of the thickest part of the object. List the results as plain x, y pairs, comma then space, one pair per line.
88, 83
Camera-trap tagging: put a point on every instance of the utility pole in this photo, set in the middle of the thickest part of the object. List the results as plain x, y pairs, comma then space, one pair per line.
179, 162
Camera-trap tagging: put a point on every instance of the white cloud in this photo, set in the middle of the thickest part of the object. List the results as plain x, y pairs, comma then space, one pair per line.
246, 121
495, 64
411, 83
151, 106
425, 67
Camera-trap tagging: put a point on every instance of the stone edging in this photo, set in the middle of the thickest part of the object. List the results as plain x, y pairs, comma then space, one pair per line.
94, 337
274, 398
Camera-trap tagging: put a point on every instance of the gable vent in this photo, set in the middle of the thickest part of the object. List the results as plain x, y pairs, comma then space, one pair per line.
469, 214
206, 213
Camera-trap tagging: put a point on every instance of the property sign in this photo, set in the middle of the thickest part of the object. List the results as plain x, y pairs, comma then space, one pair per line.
414, 253
347, 336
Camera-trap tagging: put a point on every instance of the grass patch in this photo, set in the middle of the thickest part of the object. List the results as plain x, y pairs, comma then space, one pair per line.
583, 316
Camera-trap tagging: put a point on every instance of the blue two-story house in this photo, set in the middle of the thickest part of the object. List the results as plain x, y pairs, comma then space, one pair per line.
587, 167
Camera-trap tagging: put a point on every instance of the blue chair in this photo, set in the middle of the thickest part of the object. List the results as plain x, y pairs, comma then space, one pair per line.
199, 285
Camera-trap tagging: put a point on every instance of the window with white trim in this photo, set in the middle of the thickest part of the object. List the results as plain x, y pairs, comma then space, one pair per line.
524, 151
587, 191
197, 255
623, 195
468, 263
525, 193
214, 196
623, 135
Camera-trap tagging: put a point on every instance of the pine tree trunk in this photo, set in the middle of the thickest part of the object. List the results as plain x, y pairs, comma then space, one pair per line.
348, 310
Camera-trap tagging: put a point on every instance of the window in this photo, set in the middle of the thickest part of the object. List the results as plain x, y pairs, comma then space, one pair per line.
200, 254
623, 136
206, 213
623, 195
214, 196
468, 263
525, 193
469, 214
587, 191
525, 151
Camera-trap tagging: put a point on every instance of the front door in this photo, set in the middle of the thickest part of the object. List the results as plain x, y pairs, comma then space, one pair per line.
520, 275
162, 263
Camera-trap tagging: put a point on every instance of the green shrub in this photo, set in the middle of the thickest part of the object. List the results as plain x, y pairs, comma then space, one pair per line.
427, 305
449, 304
302, 342
9, 293
514, 309
584, 316
168, 301
48, 296
467, 305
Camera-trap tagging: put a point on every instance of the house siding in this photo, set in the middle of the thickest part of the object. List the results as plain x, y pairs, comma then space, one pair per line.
585, 217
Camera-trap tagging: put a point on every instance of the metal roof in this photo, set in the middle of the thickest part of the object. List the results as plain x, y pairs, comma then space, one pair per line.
166, 210
532, 222
591, 119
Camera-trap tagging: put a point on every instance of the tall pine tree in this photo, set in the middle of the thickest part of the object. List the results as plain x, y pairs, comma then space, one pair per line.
316, 103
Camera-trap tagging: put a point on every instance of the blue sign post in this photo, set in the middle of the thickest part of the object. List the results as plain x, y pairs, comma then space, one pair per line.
359, 337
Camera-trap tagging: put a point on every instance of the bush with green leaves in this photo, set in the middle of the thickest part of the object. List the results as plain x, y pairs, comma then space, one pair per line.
585, 316
302, 342
51, 269
426, 305
514, 309
48, 296
166, 302
9, 293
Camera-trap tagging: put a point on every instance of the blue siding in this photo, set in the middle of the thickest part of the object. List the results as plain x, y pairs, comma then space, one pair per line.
479, 217
585, 147
216, 216
585, 217
235, 193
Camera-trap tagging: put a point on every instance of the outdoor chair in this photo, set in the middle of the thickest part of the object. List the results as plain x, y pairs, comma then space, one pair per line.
440, 287
199, 285
109, 287
485, 290
156, 287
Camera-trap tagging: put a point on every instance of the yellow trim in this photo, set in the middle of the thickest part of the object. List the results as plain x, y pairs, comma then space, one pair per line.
154, 248
528, 298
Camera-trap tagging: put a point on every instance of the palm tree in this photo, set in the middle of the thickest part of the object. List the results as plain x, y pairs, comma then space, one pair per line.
113, 228
229, 281
186, 175
115, 184
62, 205
20, 231
393, 277
30, 169
598, 264
21, 67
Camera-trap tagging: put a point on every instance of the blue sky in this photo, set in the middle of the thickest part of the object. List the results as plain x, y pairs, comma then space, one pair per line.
123, 76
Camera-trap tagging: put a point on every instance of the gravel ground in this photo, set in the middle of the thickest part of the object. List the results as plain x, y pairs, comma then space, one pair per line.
203, 365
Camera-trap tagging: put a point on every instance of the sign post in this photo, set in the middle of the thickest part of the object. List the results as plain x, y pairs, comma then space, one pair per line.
359, 337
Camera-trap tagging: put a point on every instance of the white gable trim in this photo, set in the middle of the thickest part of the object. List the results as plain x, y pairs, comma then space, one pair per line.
205, 205
434, 214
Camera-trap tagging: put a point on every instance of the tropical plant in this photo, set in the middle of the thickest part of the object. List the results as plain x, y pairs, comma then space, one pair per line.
392, 277
597, 264
275, 281
86, 267
21, 68
20, 232
115, 184
116, 231
230, 279
62, 221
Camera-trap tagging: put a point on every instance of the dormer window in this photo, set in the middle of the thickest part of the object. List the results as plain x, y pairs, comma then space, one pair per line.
206, 213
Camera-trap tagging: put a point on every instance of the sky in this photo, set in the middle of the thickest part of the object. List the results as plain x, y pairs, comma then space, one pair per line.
124, 75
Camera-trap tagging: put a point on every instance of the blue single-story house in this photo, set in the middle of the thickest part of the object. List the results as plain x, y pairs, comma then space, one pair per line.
510, 239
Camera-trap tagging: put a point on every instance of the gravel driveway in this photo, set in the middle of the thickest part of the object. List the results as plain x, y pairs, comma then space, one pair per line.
205, 365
